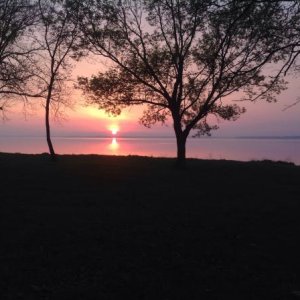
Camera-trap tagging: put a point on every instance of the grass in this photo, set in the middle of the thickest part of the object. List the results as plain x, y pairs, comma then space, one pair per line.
105, 227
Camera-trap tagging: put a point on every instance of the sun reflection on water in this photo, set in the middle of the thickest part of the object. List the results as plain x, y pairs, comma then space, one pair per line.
114, 145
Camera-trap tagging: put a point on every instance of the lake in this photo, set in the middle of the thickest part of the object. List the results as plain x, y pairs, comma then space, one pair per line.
243, 149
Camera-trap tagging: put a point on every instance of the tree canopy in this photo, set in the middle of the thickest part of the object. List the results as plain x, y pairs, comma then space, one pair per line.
16, 49
36, 41
188, 59
58, 32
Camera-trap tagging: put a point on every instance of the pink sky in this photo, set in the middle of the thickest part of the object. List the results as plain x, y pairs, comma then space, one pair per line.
261, 119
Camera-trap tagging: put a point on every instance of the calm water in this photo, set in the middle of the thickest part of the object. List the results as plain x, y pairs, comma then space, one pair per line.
212, 148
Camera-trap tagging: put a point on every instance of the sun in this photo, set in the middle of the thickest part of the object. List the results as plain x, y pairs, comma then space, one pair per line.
114, 129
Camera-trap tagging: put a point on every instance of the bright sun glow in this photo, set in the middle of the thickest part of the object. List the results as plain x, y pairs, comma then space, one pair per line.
114, 129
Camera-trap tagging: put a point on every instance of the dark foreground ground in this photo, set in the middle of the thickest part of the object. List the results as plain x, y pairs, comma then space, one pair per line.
100, 227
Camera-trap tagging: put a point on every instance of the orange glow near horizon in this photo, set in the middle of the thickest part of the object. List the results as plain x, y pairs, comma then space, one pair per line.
127, 121
94, 112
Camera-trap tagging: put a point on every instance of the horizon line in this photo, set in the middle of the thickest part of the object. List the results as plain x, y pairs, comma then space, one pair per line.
156, 136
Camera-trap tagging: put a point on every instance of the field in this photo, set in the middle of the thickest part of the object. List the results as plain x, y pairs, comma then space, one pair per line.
105, 227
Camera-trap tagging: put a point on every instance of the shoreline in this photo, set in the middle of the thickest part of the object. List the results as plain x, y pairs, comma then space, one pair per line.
173, 159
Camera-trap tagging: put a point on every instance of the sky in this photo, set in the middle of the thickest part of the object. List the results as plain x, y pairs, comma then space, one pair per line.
261, 118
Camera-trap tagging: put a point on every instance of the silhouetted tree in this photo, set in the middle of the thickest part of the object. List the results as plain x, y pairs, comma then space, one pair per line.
16, 50
183, 59
57, 35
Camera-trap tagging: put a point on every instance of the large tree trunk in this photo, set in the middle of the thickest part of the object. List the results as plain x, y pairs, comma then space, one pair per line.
181, 137
181, 149
48, 134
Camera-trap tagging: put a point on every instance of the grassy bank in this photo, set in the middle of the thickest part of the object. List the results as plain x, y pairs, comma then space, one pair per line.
101, 227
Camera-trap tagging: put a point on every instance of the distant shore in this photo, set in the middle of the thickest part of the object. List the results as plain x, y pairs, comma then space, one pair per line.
145, 136
112, 227
242, 149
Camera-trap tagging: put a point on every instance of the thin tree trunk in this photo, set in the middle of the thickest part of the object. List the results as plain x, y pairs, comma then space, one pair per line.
48, 133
